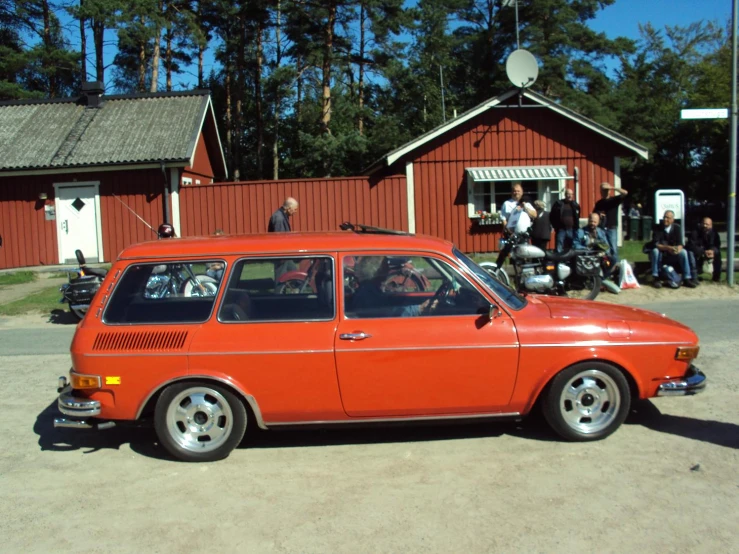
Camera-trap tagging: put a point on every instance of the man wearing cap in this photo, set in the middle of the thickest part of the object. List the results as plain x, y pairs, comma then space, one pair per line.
608, 208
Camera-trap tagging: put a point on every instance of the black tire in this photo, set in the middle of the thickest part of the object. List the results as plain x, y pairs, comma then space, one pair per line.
584, 288
587, 401
199, 421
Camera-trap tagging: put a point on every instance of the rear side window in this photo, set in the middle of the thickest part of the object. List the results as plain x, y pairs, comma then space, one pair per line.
175, 292
280, 289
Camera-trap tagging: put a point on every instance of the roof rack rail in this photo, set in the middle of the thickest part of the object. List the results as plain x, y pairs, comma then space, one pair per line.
359, 228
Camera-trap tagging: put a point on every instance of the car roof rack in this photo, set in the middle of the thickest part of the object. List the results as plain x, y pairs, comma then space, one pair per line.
359, 228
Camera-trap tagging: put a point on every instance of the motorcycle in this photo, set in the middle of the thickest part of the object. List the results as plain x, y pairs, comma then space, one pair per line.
167, 280
402, 277
83, 283
575, 273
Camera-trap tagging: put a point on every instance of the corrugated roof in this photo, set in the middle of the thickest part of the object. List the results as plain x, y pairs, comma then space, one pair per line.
38, 135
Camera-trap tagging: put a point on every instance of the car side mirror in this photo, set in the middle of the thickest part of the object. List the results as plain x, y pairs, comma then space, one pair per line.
494, 313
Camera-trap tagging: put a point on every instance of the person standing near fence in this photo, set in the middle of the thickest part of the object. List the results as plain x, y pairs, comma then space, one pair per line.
280, 220
565, 218
608, 208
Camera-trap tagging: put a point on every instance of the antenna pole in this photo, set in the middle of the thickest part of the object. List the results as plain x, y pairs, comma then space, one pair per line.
518, 43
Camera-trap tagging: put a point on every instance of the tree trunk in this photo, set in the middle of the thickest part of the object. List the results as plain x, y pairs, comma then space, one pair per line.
98, 35
360, 123
326, 69
156, 53
48, 46
240, 87
258, 101
83, 47
229, 119
168, 58
278, 61
142, 67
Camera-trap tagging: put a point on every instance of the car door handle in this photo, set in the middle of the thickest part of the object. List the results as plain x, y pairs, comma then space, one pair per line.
355, 336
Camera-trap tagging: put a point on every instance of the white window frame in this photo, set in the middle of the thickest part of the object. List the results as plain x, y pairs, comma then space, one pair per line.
541, 185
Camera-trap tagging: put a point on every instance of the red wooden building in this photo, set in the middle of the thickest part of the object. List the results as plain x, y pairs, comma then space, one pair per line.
152, 158
99, 172
438, 183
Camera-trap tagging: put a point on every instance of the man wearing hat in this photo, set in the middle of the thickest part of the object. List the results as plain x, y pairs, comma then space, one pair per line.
608, 208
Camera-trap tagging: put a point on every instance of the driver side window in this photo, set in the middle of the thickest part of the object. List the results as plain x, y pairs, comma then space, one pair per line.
383, 286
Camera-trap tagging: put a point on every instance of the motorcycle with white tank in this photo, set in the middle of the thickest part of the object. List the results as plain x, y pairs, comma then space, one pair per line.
575, 273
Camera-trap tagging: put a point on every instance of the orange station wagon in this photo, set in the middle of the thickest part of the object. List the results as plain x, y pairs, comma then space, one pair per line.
213, 336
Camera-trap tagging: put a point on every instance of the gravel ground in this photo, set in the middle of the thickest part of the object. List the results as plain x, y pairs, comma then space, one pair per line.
667, 481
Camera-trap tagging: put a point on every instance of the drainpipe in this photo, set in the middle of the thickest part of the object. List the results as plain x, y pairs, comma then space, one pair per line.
165, 198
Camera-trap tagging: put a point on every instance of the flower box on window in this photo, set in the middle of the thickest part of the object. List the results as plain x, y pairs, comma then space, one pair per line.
487, 218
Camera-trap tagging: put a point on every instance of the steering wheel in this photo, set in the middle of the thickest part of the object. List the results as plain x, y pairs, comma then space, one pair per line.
443, 293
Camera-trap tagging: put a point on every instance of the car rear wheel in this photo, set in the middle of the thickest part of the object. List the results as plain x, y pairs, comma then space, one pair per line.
199, 422
587, 401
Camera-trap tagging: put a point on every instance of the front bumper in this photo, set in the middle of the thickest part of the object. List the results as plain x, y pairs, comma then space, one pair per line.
693, 382
79, 410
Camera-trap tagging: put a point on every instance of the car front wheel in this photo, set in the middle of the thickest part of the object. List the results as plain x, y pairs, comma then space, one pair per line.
587, 401
199, 422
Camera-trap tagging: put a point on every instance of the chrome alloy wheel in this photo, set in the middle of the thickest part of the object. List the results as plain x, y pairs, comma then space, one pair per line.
590, 401
199, 419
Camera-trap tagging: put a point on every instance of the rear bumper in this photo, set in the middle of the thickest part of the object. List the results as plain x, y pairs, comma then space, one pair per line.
693, 382
81, 411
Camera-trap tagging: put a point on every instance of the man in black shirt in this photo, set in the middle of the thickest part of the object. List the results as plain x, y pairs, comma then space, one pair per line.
608, 208
565, 218
705, 243
280, 220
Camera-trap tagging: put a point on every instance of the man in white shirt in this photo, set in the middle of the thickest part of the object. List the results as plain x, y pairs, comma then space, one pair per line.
517, 217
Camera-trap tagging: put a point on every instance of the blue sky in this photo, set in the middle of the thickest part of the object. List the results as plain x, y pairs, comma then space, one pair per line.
620, 19
624, 16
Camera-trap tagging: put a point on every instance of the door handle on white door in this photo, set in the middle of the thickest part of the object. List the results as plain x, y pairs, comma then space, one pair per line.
65, 226
360, 335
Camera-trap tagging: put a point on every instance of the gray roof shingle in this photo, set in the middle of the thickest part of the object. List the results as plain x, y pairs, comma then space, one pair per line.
123, 130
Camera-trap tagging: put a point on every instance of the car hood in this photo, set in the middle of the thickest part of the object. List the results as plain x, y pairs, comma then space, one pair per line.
570, 308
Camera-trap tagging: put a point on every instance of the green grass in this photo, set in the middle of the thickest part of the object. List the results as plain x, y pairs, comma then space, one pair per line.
17, 278
43, 301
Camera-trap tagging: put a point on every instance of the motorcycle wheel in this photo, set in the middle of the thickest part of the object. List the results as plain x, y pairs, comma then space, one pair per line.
292, 286
76, 312
403, 283
210, 285
498, 272
584, 288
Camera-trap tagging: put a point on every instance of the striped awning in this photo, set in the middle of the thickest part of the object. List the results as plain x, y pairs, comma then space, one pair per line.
525, 173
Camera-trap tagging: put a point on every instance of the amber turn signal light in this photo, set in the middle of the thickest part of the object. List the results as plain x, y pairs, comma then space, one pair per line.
687, 353
81, 381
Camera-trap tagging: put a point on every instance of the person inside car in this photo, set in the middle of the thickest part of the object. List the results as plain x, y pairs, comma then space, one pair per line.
370, 300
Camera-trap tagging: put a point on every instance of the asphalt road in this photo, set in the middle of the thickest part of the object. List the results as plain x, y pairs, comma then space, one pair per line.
712, 319
666, 481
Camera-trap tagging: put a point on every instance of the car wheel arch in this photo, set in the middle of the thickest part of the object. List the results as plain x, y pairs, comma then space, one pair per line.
630, 379
250, 403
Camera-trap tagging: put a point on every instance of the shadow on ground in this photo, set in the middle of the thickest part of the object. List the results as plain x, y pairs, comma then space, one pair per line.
142, 438
645, 413
63, 317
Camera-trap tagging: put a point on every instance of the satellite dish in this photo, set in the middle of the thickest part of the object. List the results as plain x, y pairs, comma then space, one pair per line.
521, 68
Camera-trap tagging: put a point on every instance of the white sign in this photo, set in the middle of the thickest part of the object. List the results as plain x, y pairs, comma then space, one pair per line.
708, 113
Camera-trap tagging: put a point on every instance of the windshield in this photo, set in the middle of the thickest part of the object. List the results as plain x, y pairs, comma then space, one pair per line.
506, 294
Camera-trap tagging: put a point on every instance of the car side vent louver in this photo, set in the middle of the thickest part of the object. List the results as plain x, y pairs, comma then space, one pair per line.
140, 340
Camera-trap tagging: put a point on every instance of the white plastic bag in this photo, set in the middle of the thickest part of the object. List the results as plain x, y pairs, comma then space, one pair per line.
627, 279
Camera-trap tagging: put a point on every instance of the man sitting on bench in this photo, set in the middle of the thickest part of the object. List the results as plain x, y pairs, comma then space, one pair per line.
705, 244
667, 249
